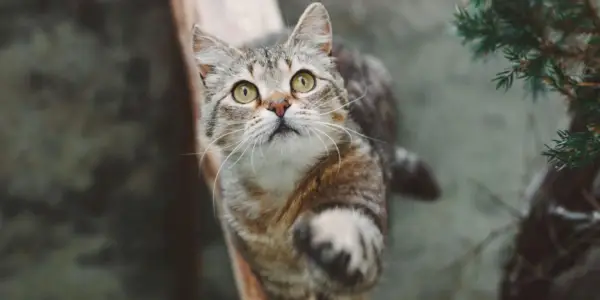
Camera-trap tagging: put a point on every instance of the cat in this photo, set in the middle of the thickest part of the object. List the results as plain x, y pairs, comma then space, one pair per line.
308, 159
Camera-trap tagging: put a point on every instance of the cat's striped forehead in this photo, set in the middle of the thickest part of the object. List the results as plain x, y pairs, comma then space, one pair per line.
268, 65
268, 57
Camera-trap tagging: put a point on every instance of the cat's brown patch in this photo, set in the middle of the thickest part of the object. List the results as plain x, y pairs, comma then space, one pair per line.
337, 117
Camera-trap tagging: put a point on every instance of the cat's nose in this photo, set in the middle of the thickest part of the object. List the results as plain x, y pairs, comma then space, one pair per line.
279, 107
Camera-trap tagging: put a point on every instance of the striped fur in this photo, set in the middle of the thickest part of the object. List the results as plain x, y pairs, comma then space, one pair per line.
307, 208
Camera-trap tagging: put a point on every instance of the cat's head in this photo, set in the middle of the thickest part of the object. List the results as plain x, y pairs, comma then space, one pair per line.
282, 95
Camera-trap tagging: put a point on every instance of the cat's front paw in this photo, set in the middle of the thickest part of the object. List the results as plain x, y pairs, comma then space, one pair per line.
343, 249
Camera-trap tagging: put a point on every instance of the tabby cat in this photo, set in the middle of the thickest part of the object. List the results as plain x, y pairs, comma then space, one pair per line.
307, 160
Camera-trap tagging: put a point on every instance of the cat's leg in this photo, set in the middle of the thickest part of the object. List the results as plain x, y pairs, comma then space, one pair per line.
343, 248
413, 177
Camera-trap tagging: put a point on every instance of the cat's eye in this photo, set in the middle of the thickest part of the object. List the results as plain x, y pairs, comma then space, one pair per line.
244, 92
303, 82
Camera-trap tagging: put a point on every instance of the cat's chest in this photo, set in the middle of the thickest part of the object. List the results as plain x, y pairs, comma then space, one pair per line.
279, 180
278, 170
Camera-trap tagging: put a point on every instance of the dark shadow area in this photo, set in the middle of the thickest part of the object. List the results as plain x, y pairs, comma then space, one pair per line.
98, 197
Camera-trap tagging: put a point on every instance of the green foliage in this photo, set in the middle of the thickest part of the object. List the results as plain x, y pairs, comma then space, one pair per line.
552, 45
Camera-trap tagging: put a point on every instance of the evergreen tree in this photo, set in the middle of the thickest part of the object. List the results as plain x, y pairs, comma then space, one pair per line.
552, 45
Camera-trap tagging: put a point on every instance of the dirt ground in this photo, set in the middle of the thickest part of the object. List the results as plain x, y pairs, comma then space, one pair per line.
483, 144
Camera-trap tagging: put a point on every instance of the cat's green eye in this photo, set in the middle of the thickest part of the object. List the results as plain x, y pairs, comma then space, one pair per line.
244, 92
303, 82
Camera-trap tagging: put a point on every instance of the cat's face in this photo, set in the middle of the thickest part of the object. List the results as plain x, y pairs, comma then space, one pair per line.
287, 94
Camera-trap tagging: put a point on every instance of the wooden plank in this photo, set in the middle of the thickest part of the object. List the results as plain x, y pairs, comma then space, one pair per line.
236, 22
185, 14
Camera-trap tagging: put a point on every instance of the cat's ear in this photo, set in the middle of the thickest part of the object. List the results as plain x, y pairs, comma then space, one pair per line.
209, 51
313, 29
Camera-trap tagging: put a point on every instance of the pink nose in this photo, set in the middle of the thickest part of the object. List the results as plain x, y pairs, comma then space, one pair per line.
279, 108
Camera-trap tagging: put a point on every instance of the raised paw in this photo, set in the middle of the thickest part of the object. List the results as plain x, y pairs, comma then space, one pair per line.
343, 249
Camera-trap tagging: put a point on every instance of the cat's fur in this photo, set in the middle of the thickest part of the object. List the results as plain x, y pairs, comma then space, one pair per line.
307, 209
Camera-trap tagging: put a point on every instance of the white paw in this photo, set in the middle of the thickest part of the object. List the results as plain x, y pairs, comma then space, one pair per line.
344, 244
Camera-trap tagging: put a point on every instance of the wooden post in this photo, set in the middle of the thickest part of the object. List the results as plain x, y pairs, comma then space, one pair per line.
236, 22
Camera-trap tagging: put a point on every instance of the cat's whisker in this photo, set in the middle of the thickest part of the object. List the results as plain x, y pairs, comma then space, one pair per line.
208, 147
243, 152
320, 139
336, 148
306, 114
219, 171
323, 103
350, 130
262, 154
316, 105
328, 100
342, 106
319, 104
235, 123
348, 133
252, 156
215, 140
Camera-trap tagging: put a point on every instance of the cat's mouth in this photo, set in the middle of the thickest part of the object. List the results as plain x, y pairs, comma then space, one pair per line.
282, 130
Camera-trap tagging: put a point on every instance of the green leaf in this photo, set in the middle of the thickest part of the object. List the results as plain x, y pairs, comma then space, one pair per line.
505, 79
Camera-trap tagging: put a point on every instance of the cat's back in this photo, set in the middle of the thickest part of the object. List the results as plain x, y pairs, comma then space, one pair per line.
374, 106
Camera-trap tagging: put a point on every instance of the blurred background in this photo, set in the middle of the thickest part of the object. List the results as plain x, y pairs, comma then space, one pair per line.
483, 145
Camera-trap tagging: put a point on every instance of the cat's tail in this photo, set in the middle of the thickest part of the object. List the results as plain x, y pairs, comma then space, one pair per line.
412, 176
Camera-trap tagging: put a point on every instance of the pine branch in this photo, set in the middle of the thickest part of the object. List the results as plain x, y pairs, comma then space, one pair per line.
573, 149
551, 45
